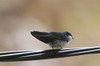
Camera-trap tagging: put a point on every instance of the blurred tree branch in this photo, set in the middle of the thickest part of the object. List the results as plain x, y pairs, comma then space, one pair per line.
26, 55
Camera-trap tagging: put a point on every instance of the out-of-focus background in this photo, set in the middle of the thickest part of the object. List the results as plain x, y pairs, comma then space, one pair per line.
80, 17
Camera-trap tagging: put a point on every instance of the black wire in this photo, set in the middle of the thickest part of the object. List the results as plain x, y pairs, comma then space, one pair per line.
46, 54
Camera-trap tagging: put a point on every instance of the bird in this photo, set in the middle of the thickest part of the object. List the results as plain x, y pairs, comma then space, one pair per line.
56, 40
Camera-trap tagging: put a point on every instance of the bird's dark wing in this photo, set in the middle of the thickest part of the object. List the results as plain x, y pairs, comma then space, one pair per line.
39, 33
43, 36
45, 39
59, 35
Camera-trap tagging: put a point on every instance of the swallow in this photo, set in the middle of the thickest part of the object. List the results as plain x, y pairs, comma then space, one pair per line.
56, 40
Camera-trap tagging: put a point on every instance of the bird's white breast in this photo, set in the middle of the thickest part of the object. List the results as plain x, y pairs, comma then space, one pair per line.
58, 44
70, 38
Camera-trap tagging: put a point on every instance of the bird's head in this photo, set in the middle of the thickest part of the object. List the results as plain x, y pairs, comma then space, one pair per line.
69, 36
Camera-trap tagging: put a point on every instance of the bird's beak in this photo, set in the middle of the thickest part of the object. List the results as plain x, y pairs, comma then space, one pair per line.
72, 38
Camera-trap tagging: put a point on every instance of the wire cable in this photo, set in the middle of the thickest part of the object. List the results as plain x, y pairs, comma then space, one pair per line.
26, 55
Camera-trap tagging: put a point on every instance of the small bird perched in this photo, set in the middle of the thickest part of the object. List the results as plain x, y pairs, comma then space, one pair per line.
56, 40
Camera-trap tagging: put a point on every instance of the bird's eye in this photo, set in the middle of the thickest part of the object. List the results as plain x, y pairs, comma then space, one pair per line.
67, 33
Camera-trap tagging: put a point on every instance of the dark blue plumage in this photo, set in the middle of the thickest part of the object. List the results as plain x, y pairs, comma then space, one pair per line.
54, 39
